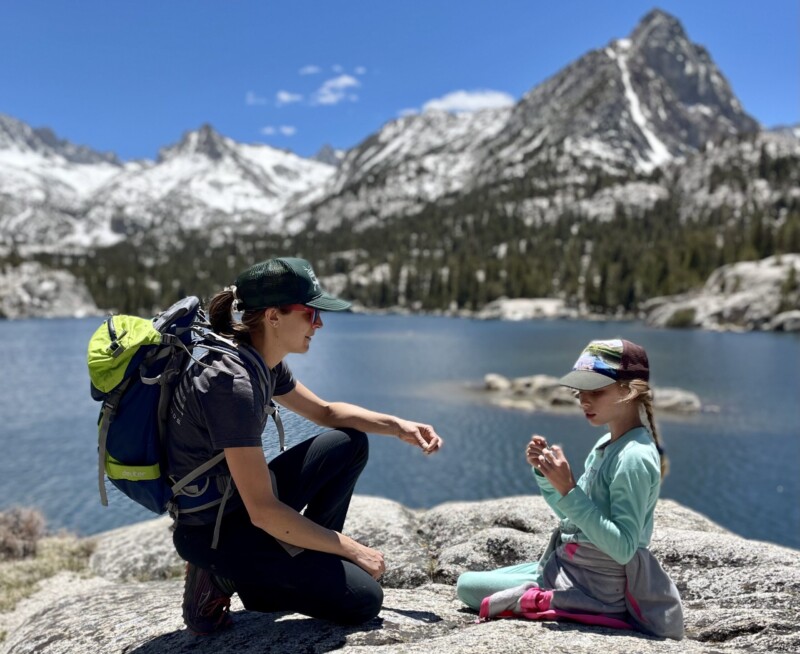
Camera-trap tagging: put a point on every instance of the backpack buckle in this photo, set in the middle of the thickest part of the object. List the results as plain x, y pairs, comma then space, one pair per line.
115, 348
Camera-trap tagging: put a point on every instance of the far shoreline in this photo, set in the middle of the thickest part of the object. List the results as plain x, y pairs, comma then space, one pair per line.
464, 314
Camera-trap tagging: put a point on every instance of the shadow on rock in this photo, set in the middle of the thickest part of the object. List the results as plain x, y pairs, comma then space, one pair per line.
422, 616
254, 633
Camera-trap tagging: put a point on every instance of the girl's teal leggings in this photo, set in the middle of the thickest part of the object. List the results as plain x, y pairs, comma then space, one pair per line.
472, 587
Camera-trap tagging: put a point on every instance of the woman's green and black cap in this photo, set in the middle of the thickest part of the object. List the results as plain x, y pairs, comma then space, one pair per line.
282, 281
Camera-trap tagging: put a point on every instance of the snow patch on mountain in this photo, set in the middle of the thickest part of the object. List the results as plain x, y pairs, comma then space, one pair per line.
659, 153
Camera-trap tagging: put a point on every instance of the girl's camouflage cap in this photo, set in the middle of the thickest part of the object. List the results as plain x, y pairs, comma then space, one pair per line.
282, 281
604, 362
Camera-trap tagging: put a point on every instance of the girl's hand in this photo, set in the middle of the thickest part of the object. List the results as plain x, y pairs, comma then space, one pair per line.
535, 448
419, 435
554, 466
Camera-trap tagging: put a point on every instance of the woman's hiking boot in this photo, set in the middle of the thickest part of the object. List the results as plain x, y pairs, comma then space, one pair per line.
206, 608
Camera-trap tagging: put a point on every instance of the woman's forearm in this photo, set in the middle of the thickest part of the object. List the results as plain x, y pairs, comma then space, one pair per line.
343, 414
284, 523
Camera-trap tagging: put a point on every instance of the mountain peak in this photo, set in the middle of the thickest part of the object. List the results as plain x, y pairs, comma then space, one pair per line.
659, 30
658, 23
19, 135
328, 155
205, 141
661, 49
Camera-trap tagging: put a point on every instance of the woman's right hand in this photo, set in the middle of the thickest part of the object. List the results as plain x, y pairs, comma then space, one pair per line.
368, 559
535, 449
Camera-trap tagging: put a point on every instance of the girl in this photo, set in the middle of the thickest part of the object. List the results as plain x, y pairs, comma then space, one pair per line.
597, 568
263, 545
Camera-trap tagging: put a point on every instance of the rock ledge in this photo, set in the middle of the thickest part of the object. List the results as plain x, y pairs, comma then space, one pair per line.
739, 595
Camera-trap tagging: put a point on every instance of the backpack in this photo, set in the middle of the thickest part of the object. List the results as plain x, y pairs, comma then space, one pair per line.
135, 365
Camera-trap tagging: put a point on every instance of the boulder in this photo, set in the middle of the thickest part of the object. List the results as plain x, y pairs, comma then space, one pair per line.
143, 552
32, 291
747, 295
739, 595
676, 400
495, 382
788, 321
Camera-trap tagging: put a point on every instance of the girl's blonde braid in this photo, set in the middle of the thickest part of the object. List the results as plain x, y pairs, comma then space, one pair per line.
641, 392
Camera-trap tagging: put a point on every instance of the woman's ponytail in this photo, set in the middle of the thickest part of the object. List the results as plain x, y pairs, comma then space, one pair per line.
221, 308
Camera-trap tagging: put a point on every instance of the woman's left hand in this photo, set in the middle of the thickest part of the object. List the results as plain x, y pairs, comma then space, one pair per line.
554, 466
422, 436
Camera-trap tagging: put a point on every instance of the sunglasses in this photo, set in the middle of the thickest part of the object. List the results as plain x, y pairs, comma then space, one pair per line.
311, 311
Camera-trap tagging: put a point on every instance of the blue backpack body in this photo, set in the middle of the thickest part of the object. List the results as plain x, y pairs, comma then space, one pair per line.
135, 365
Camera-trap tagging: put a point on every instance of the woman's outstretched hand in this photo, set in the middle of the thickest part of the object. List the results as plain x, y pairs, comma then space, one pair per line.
551, 462
419, 435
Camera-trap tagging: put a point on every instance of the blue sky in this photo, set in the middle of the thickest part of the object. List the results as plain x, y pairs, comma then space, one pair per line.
132, 77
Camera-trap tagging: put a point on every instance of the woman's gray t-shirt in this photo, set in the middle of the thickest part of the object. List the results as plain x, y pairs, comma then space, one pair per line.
216, 406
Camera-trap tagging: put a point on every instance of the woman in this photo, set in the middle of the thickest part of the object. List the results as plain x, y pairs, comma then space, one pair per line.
597, 568
274, 554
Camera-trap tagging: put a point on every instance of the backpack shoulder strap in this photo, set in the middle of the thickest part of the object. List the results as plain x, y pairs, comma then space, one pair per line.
216, 343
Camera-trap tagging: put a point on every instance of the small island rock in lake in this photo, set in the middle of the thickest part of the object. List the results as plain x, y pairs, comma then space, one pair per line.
738, 595
525, 309
543, 392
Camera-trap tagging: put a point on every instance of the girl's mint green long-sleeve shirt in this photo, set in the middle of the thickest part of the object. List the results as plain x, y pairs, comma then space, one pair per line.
613, 502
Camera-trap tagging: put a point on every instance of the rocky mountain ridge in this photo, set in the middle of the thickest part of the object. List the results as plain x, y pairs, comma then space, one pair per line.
636, 164
68, 196
622, 111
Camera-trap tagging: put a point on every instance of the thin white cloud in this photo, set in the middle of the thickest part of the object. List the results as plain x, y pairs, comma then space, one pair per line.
337, 68
310, 70
407, 112
467, 101
286, 97
335, 90
251, 99
361, 70
285, 130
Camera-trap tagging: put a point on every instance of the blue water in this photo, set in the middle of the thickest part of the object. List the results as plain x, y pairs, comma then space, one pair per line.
737, 464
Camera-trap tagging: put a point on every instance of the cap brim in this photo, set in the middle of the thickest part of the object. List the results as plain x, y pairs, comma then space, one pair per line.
585, 380
327, 302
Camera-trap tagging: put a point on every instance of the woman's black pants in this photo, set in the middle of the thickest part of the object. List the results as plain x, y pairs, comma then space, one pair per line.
320, 475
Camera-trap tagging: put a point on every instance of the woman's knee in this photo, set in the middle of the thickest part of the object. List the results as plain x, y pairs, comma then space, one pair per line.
355, 442
366, 606
358, 440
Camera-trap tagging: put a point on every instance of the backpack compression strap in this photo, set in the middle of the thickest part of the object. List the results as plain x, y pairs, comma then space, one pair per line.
109, 411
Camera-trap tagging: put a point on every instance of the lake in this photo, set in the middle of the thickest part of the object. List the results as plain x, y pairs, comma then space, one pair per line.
737, 463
